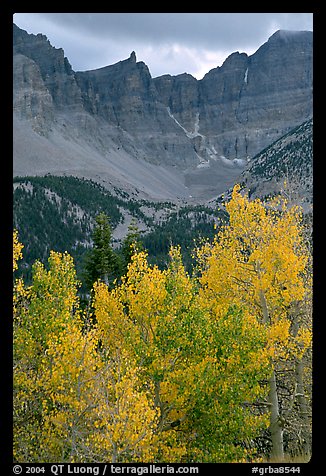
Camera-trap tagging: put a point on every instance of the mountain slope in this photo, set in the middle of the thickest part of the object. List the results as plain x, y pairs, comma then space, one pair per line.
58, 213
249, 101
165, 137
285, 166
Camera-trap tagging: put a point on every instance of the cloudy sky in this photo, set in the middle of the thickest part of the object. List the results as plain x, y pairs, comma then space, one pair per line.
169, 43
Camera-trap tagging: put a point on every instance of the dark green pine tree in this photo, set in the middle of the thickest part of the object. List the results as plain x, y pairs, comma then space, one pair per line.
130, 245
101, 262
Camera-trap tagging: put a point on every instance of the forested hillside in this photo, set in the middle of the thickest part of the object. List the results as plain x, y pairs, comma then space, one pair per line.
290, 160
58, 213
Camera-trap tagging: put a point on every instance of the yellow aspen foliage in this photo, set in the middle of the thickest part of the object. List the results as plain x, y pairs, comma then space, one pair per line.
125, 416
67, 378
178, 284
95, 409
144, 293
49, 304
20, 292
112, 323
258, 260
192, 368
17, 250
169, 368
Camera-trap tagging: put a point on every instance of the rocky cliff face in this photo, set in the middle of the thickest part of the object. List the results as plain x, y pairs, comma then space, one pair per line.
54, 68
124, 94
249, 101
195, 136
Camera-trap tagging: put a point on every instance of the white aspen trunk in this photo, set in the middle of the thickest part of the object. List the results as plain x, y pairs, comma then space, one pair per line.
114, 453
300, 391
277, 453
303, 406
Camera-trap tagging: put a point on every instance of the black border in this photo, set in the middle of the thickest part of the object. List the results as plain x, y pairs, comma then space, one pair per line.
314, 465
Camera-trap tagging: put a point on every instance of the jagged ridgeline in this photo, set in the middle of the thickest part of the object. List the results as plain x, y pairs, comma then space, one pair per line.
167, 137
58, 213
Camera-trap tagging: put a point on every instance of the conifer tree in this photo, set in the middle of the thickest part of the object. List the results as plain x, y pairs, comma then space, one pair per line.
130, 245
101, 262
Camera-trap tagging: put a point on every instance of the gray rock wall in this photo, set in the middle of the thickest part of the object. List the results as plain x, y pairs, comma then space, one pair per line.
206, 128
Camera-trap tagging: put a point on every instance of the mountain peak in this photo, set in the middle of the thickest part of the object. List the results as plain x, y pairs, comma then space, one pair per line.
289, 35
205, 130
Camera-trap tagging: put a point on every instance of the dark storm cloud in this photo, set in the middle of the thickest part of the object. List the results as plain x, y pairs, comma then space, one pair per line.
166, 42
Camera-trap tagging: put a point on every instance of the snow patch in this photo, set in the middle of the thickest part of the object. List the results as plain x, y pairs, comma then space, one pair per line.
196, 126
203, 165
193, 134
245, 79
233, 162
240, 162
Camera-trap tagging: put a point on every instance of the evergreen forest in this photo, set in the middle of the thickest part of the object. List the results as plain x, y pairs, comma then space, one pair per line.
59, 213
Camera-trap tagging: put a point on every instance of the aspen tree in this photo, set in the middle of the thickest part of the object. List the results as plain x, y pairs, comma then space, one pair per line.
197, 375
41, 313
72, 402
17, 250
258, 261
169, 368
